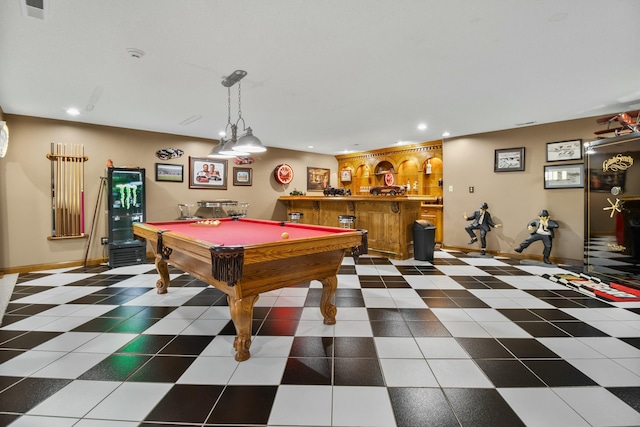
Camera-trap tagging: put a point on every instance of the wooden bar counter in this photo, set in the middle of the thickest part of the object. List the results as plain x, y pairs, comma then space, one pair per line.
388, 219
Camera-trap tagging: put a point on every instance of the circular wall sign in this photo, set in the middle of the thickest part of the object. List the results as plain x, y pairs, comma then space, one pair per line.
388, 178
283, 174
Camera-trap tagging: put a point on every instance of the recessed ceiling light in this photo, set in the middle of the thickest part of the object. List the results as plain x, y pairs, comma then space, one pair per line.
422, 126
445, 134
309, 146
222, 133
72, 111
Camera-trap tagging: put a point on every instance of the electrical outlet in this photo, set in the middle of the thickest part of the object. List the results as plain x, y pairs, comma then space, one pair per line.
471, 189
104, 240
451, 189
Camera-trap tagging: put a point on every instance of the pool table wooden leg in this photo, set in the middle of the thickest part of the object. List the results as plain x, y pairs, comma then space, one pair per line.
163, 282
242, 316
328, 310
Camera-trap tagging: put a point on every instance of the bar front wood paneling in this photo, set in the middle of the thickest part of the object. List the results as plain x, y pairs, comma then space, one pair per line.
388, 219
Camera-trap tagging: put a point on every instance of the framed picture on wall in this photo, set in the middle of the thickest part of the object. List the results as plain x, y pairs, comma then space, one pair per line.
564, 150
169, 173
564, 176
205, 172
242, 176
509, 160
318, 179
345, 175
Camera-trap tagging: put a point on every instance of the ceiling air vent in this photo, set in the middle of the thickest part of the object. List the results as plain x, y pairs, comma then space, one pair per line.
35, 8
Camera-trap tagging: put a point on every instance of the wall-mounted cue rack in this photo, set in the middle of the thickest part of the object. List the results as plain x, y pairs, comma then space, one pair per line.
67, 191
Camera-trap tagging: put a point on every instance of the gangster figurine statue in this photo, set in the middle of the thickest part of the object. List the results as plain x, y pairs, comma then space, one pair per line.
540, 229
481, 221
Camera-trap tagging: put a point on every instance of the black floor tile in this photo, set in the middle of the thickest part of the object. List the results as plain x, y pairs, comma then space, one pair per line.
528, 348
440, 303
509, 373
146, 344
134, 325
308, 371
390, 328
29, 340
519, 315
421, 407
186, 403
542, 329
580, 329
558, 373
470, 303
484, 348
187, 345
357, 372
244, 405
163, 369
481, 407
552, 314
312, 347
99, 324
26, 394
385, 314
279, 327
354, 347
428, 329
418, 314
632, 341
629, 395
117, 367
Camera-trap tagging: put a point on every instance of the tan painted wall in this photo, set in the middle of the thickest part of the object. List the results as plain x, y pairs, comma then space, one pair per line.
25, 189
514, 198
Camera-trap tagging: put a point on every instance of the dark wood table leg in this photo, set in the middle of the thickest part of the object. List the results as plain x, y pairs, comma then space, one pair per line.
328, 310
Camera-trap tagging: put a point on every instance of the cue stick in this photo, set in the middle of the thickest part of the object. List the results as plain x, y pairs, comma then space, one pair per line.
58, 190
82, 192
53, 194
74, 189
65, 193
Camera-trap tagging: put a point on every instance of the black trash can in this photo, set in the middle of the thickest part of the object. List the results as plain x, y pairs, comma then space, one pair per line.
424, 240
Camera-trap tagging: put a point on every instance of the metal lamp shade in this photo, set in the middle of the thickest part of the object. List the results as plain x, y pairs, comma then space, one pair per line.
249, 143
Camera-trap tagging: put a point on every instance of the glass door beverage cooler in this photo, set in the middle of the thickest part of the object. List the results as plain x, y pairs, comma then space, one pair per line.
125, 205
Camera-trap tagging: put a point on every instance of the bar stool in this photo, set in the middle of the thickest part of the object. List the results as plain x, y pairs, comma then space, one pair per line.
295, 217
346, 220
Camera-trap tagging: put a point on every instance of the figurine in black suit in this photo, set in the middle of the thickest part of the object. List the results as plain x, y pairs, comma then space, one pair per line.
481, 221
540, 229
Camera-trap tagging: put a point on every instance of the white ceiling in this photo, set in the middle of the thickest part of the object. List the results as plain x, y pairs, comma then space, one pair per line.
334, 74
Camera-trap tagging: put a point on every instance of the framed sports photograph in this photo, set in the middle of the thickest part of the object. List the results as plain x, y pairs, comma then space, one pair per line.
564, 150
242, 176
509, 160
318, 179
169, 173
205, 172
564, 176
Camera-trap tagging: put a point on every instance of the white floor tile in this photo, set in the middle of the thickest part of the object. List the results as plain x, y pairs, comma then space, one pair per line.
609, 410
68, 341
29, 362
570, 348
351, 328
76, 399
209, 370
71, 365
466, 329
504, 330
611, 347
106, 343
606, 372
302, 406
441, 348
407, 373
259, 371
362, 406
459, 373
41, 421
130, 401
528, 402
398, 348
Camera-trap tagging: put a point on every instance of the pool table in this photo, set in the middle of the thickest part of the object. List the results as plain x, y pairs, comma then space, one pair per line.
245, 257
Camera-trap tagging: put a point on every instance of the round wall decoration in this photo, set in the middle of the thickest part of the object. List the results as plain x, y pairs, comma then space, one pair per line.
388, 178
283, 173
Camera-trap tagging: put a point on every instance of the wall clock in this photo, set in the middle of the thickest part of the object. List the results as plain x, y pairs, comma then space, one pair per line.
4, 138
283, 174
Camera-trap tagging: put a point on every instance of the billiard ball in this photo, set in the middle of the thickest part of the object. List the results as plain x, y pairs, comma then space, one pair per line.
285, 235
216, 223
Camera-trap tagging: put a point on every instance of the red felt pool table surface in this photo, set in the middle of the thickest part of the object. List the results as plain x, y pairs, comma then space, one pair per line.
246, 257
244, 231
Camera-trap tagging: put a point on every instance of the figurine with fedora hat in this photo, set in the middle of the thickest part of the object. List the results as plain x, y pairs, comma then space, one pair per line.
481, 221
540, 229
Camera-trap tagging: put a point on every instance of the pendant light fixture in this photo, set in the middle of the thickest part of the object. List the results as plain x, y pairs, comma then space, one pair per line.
247, 143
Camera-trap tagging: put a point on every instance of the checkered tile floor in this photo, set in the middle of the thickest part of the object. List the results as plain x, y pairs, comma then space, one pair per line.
458, 342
